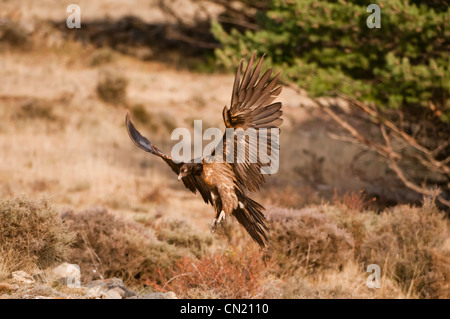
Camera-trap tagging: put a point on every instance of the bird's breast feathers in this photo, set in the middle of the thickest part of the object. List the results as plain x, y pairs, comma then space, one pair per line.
217, 174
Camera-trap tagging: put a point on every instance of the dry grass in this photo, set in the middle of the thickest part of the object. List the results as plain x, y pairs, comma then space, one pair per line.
112, 87
410, 244
108, 246
312, 252
322, 242
160, 123
180, 233
102, 56
350, 282
289, 196
307, 240
155, 195
353, 201
32, 236
323, 251
35, 109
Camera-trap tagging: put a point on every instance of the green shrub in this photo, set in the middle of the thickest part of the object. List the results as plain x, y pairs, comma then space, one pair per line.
326, 47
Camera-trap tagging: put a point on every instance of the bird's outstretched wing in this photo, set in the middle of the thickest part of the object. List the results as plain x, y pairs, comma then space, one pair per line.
191, 182
252, 107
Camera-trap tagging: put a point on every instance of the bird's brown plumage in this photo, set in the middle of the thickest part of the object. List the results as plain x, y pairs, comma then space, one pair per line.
223, 184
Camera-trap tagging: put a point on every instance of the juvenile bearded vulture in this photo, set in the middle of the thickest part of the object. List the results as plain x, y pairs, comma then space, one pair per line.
223, 183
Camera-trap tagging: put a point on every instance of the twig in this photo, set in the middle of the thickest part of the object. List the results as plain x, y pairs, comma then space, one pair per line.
387, 150
439, 166
195, 42
345, 139
175, 277
382, 150
393, 165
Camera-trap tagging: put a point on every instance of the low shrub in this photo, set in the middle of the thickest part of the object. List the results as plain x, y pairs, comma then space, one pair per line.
112, 247
35, 109
235, 273
180, 234
112, 87
307, 240
409, 244
32, 235
157, 122
102, 56
14, 34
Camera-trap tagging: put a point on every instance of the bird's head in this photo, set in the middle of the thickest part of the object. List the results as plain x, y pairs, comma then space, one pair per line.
190, 169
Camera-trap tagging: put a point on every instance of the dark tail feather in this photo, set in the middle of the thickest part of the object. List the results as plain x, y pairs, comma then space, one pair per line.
253, 220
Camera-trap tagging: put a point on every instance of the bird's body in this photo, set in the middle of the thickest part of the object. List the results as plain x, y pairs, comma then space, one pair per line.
220, 183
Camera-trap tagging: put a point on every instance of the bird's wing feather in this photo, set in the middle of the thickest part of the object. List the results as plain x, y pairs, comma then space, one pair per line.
193, 183
252, 107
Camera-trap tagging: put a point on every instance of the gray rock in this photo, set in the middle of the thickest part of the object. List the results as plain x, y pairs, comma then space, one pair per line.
115, 293
157, 295
95, 293
108, 289
23, 277
66, 273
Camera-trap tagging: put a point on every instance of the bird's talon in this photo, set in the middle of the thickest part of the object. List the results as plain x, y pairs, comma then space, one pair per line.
214, 226
221, 217
217, 221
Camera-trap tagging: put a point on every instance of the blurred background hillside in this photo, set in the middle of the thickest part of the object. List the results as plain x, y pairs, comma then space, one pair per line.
365, 145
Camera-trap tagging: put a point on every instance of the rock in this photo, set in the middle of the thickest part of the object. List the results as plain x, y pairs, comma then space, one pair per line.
108, 289
115, 293
104, 293
22, 276
158, 295
95, 293
69, 274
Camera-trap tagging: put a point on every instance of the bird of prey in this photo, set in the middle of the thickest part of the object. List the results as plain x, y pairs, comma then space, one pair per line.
223, 183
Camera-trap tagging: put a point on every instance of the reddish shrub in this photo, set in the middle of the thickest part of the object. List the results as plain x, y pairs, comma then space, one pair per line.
231, 274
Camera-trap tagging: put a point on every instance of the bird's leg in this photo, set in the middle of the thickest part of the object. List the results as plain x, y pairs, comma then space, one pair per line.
217, 221
221, 217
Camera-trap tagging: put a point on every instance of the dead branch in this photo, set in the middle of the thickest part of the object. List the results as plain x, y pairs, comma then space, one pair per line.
380, 149
386, 150
429, 161
175, 35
